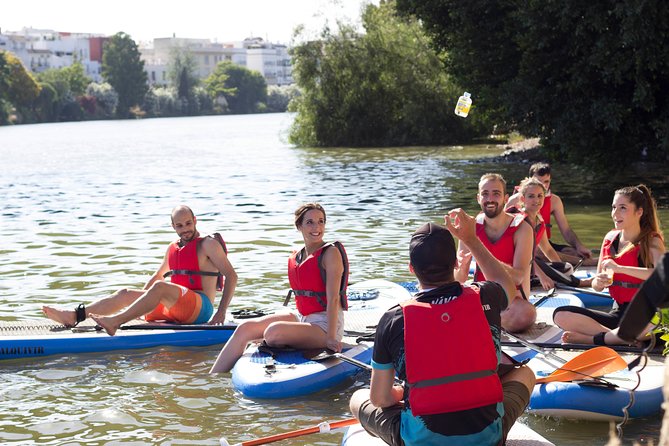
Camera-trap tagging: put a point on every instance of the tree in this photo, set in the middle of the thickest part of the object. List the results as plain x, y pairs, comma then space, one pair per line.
20, 88
385, 87
123, 69
591, 79
181, 72
243, 89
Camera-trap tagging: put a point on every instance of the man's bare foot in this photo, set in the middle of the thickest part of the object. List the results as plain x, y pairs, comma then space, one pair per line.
572, 337
65, 317
105, 323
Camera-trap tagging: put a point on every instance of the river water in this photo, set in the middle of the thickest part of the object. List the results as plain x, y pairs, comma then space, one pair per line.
85, 210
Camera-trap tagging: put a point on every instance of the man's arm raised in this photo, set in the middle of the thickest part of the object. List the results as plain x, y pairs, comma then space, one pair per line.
463, 226
214, 251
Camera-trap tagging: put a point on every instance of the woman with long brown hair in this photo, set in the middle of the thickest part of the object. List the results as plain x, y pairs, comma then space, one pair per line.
628, 255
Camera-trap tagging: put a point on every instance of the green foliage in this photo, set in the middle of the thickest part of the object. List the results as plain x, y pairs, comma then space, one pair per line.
243, 89
45, 107
181, 72
279, 96
4, 87
123, 69
22, 88
386, 87
592, 79
106, 99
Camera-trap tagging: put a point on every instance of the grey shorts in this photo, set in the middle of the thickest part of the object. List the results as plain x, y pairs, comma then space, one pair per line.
382, 422
320, 320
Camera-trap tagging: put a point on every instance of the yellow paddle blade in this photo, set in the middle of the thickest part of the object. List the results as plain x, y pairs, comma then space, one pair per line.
597, 361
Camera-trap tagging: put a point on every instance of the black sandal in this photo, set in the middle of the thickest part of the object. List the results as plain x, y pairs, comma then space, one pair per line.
80, 311
598, 339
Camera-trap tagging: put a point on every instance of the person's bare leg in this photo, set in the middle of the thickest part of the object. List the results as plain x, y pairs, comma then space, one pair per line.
247, 331
108, 305
160, 292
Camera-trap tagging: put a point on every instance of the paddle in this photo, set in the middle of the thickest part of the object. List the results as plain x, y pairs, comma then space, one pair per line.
549, 293
556, 275
592, 363
320, 428
598, 361
329, 354
559, 346
582, 290
178, 327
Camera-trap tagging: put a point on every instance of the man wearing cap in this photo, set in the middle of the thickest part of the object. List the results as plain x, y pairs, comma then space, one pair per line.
454, 390
511, 240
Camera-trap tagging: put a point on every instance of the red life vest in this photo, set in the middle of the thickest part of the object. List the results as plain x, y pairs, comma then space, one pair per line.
503, 249
450, 355
307, 279
185, 267
624, 287
545, 212
539, 227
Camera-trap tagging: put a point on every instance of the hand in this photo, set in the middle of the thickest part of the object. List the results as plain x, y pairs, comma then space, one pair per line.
464, 260
601, 281
546, 282
219, 318
610, 264
461, 225
584, 252
333, 345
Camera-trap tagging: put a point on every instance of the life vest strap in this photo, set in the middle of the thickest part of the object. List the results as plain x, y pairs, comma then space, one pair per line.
188, 272
625, 284
451, 379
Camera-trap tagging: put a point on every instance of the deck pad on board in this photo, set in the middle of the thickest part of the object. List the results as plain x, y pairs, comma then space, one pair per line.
520, 435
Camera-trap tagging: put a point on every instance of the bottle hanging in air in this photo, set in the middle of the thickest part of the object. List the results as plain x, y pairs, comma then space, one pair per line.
464, 104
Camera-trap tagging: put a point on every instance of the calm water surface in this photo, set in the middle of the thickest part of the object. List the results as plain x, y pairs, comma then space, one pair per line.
85, 211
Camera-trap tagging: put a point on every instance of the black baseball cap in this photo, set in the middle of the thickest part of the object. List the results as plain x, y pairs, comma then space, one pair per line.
432, 253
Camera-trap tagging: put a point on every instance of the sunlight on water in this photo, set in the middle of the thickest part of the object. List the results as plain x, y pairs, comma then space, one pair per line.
86, 211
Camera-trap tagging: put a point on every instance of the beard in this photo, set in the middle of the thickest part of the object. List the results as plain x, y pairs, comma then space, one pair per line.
491, 213
187, 236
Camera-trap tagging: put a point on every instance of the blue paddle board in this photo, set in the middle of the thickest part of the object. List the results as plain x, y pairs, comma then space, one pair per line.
288, 373
26, 339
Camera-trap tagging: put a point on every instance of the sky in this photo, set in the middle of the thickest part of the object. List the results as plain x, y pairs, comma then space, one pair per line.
143, 20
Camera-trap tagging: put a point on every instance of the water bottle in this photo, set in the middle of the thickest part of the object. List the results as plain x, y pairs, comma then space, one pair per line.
464, 104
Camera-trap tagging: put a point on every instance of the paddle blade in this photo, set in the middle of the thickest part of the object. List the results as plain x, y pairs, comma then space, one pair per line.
598, 361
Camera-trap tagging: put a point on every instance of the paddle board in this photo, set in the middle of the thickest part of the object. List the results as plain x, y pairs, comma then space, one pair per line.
25, 339
519, 435
288, 373
587, 401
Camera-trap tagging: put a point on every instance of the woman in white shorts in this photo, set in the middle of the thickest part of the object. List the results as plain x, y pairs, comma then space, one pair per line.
318, 275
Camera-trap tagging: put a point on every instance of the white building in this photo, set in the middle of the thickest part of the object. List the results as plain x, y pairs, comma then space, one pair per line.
270, 60
42, 49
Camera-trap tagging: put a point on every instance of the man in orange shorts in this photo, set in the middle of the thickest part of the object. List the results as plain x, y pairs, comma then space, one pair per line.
196, 266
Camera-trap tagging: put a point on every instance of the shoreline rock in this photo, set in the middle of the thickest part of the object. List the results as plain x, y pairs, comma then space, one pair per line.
527, 151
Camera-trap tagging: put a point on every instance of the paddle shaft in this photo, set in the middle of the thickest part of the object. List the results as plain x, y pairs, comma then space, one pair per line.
582, 290
535, 347
178, 327
323, 427
558, 346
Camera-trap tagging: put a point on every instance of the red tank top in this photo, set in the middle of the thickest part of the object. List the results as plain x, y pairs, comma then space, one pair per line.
459, 377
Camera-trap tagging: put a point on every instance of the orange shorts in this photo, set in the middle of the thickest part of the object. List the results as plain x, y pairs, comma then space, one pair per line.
193, 307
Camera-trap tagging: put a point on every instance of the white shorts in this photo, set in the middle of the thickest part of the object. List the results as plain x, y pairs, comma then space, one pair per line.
320, 320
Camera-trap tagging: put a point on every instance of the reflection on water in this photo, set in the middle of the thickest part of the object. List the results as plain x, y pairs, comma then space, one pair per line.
86, 211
